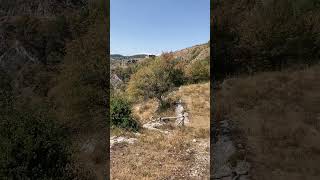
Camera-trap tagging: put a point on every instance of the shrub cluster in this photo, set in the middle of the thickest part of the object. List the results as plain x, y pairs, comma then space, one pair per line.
155, 78
198, 71
251, 36
33, 145
120, 114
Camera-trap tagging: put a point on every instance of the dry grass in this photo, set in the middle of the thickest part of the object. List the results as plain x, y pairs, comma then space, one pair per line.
278, 114
143, 111
159, 156
155, 156
197, 100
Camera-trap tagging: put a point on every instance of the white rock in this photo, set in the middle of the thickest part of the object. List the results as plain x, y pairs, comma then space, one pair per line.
117, 140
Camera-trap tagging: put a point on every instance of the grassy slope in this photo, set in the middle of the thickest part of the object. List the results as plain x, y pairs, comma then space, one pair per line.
194, 53
278, 114
156, 155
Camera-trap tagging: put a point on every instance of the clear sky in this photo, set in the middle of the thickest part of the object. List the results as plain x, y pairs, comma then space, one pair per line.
155, 26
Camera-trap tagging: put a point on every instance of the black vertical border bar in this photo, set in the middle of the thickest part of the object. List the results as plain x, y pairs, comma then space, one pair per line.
107, 91
212, 84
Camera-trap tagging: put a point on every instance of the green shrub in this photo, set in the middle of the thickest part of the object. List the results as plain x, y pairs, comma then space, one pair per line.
33, 146
120, 114
155, 79
198, 71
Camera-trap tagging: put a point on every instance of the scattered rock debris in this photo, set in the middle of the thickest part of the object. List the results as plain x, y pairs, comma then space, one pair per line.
154, 125
224, 149
116, 140
201, 153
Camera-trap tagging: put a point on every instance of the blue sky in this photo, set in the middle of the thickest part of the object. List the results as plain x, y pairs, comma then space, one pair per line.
155, 26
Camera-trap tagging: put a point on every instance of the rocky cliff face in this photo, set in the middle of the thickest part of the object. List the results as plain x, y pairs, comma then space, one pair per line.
33, 35
15, 57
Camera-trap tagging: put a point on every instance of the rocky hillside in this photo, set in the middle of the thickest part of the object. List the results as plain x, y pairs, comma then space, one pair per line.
157, 98
40, 42
33, 38
193, 61
196, 52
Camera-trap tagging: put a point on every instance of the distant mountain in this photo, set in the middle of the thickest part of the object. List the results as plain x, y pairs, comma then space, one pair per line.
116, 56
194, 53
119, 56
139, 56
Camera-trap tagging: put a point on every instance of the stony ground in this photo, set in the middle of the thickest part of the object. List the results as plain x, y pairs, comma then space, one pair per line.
228, 164
274, 122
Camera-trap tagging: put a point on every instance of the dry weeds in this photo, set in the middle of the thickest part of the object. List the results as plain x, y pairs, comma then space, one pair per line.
197, 100
278, 114
143, 111
154, 156
174, 156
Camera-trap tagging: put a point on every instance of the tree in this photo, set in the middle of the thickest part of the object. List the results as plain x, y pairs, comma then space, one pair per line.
155, 79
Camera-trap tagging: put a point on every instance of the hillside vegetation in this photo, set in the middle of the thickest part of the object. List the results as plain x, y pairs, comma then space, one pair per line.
266, 58
176, 155
277, 118
53, 86
157, 77
151, 88
252, 35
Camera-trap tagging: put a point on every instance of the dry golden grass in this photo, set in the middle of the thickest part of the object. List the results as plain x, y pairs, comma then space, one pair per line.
159, 156
154, 156
197, 100
143, 111
278, 114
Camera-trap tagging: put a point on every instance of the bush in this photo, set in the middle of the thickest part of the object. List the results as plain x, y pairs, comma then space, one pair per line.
6, 95
33, 146
120, 114
254, 36
155, 79
198, 71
